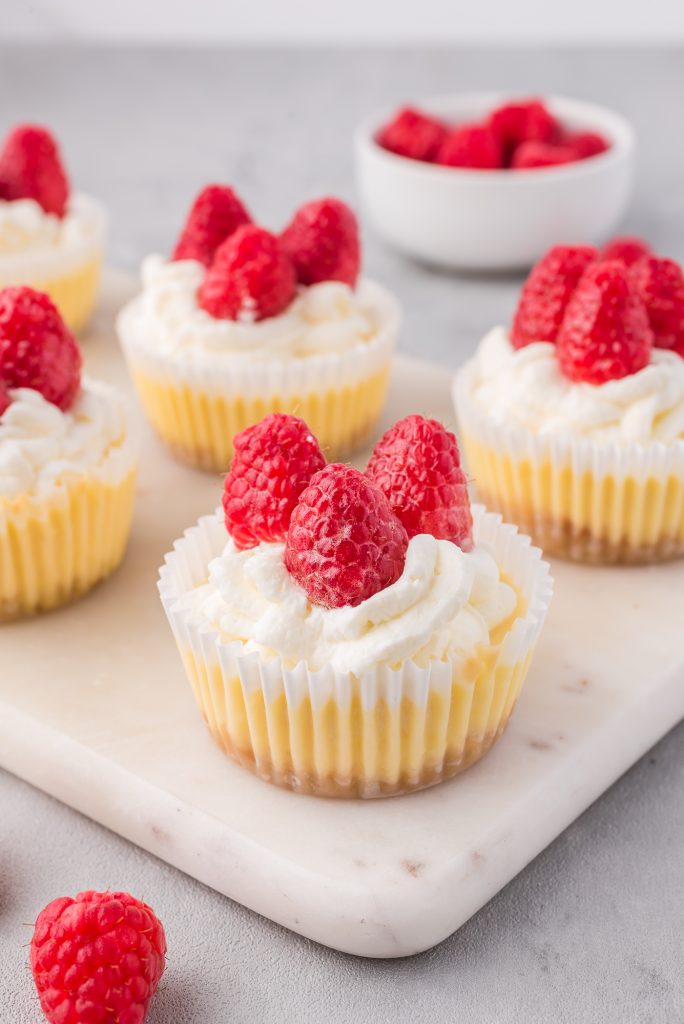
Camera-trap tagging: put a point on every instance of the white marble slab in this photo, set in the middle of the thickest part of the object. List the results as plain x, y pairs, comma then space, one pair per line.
94, 709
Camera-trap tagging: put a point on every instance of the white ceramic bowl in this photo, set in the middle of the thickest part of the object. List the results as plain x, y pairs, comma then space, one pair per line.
489, 220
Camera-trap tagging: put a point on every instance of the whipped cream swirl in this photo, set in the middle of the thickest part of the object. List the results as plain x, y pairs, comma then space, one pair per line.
34, 243
444, 604
324, 318
42, 447
526, 386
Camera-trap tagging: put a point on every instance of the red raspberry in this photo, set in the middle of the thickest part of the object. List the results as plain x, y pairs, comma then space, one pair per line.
31, 168
322, 240
97, 959
660, 283
626, 249
413, 134
605, 333
541, 154
585, 144
5, 400
344, 543
273, 462
546, 292
36, 349
525, 121
417, 466
250, 278
471, 145
215, 214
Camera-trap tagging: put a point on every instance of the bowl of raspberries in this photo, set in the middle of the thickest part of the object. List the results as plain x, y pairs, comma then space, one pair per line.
482, 181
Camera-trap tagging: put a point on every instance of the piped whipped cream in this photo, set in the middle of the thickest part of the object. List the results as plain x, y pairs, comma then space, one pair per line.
34, 243
445, 603
330, 317
41, 447
527, 387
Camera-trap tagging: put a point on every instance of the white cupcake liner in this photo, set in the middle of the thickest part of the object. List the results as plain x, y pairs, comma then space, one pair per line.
322, 731
578, 497
276, 376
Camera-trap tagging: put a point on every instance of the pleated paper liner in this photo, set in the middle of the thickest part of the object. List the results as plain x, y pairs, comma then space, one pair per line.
388, 731
197, 407
577, 498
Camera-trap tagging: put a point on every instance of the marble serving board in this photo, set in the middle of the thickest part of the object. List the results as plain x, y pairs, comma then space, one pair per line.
95, 709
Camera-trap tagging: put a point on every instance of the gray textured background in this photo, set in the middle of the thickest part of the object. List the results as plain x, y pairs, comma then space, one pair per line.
592, 930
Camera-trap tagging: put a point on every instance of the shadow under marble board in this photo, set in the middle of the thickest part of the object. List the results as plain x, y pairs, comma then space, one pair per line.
95, 709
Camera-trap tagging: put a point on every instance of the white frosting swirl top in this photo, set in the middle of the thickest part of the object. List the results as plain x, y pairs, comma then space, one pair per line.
323, 318
41, 447
31, 240
444, 604
526, 386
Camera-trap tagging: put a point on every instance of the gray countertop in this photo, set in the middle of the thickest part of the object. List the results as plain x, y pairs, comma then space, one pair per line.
591, 930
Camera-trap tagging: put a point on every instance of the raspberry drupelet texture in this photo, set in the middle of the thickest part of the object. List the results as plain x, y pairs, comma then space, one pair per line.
274, 461
660, 283
417, 466
215, 214
250, 278
413, 134
4, 398
31, 168
97, 958
546, 293
626, 249
471, 145
523, 121
322, 240
605, 334
36, 348
344, 543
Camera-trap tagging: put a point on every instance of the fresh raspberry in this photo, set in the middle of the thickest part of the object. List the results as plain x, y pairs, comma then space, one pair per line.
215, 214
31, 168
605, 334
97, 959
471, 145
250, 278
626, 249
417, 466
660, 283
546, 292
273, 462
36, 348
322, 240
344, 543
585, 144
541, 154
525, 121
5, 400
413, 134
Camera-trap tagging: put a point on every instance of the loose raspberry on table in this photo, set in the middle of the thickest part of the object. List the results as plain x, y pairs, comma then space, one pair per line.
660, 283
5, 400
546, 293
542, 154
214, 215
273, 462
523, 121
471, 145
97, 958
627, 249
413, 134
36, 348
417, 466
250, 278
344, 543
322, 240
605, 334
31, 168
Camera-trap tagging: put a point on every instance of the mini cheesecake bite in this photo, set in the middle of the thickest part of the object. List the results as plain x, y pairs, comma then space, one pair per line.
573, 420
334, 644
242, 321
67, 463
